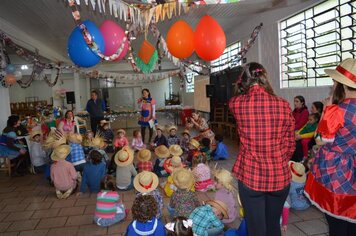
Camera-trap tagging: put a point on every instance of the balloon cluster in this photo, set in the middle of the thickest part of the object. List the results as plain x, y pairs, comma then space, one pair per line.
10, 75
208, 40
108, 38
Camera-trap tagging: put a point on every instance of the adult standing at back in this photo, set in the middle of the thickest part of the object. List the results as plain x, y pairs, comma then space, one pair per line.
148, 113
95, 108
266, 129
300, 112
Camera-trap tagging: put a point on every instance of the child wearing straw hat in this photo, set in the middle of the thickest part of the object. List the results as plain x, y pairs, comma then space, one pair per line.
160, 139
146, 183
89, 135
170, 165
76, 156
207, 218
63, 174
172, 138
296, 192
98, 143
183, 200
125, 171
162, 153
38, 156
184, 142
143, 160
226, 192
120, 140
194, 152
145, 222
107, 134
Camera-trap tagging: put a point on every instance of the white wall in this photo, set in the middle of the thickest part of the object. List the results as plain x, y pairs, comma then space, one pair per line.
4, 107
266, 50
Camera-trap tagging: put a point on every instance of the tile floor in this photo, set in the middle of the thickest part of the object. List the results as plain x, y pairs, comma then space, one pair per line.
28, 206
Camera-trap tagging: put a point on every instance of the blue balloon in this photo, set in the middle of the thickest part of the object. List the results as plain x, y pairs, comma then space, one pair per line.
79, 52
10, 69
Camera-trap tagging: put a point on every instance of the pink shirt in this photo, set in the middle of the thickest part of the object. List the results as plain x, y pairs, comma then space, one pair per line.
63, 175
228, 198
137, 144
121, 142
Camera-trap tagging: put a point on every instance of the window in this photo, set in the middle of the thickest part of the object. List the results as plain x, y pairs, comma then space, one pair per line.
170, 85
189, 82
229, 53
316, 39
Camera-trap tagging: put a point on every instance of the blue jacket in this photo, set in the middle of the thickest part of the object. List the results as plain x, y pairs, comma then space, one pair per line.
92, 176
153, 227
220, 152
95, 109
297, 198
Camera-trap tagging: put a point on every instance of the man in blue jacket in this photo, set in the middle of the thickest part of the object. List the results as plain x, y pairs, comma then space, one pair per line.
95, 108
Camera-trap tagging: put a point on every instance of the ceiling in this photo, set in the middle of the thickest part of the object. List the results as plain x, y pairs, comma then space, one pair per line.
50, 22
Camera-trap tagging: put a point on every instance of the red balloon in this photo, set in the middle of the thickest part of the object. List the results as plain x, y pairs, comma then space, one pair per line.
180, 40
10, 79
209, 39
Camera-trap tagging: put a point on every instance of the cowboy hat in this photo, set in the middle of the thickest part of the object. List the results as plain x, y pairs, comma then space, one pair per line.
298, 172
60, 152
225, 178
75, 138
345, 73
103, 122
162, 151
172, 127
34, 133
55, 139
194, 143
97, 142
121, 131
145, 182
170, 164
175, 150
186, 131
144, 155
160, 127
124, 157
183, 178
221, 206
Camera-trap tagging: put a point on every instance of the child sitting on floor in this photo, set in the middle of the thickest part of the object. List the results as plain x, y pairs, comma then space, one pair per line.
298, 201
137, 143
107, 134
125, 171
180, 226
160, 139
184, 142
207, 218
63, 174
221, 152
205, 148
38, 156
77, 156
162, 153
172, 137
226, 192
109, 207
202, 176
94, 171
143, 160
89, 135
144, 210
120, 140
193, 151
146, 183
98, 144
183, 200
170, 165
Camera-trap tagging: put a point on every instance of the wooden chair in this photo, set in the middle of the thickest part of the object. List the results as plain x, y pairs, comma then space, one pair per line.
219, 120
5, 165
230, 125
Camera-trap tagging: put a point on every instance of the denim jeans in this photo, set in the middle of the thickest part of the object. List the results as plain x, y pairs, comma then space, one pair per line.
104, 222
171, 211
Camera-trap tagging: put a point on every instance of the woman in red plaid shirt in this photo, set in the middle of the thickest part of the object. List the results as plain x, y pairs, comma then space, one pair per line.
266, 128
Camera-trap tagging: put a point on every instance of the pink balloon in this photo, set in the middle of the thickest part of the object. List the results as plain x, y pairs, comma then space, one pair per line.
113, 36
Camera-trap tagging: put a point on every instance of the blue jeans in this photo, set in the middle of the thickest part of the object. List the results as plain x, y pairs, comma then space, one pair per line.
171, 211
104, 222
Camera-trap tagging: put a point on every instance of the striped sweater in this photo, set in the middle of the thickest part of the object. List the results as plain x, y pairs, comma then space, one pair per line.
107, 204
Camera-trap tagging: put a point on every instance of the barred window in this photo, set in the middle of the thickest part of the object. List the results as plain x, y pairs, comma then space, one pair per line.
316, 39
229, 53
189, 82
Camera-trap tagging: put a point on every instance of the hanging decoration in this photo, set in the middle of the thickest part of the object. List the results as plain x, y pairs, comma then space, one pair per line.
180, 40
113, 36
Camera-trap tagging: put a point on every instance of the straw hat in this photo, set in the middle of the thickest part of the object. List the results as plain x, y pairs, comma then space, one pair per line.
103, 122
124, 157
194, 143
183, 178
75, 138
225, 178
186, 131
298, 171
175, 150
160, 127
55, 139
162, 151
34, 133
170, 164
172, 127
145, 182
60, 152
345, 73
144, 155
121, 131
221, 206
97, 142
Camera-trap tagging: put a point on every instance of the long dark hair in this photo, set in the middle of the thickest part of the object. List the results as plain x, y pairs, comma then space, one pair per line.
252, 73
12, 120
319, 106
148, 91
65, 115
302, 100
339, 93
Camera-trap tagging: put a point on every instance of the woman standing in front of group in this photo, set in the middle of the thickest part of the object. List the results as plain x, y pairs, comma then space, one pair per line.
148, 114
266, 129
331, 184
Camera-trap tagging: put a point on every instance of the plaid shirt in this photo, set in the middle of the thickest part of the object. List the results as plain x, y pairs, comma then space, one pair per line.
266, 128
204, 218
76, 155
144, 165
172, 140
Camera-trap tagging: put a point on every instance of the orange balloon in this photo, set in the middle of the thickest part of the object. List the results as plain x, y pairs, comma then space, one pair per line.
180, 40
209, 39
10, 79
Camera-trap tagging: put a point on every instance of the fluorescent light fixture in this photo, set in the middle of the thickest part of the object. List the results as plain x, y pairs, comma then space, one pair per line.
132, 38
24, 67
